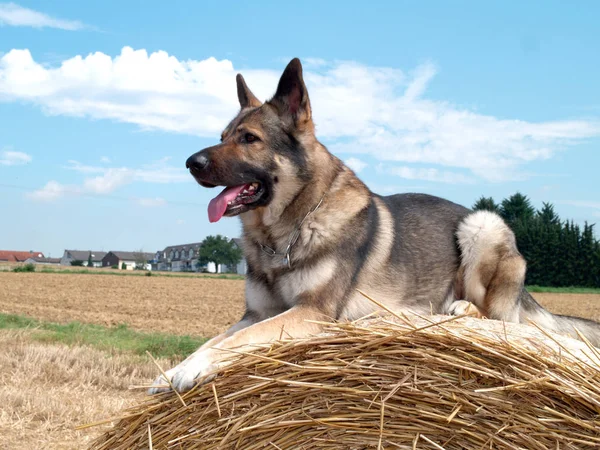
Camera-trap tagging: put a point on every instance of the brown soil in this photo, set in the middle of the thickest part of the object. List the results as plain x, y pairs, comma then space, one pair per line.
196, 306
578, 305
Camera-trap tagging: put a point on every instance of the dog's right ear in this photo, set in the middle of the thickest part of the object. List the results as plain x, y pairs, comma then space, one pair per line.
292, 96
245, 96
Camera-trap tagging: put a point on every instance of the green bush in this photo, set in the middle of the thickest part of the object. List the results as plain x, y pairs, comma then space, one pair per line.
148, 274
26, 268
77, 263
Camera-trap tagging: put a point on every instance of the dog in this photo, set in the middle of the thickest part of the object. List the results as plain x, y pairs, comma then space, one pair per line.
314, 234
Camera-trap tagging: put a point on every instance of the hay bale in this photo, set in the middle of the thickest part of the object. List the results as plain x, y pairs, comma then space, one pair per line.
427, 383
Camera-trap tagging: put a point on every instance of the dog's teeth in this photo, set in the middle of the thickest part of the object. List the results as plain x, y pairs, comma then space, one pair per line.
229, 203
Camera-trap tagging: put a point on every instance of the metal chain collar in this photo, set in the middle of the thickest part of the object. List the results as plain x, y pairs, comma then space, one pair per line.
293, 239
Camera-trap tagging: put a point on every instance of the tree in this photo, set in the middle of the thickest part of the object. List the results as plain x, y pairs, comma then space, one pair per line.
77, 262
123, 266
486, 204
516, 207
219, 250
90, 263
140, 260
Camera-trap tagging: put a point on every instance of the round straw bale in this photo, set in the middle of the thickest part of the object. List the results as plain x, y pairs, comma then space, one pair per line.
401, 382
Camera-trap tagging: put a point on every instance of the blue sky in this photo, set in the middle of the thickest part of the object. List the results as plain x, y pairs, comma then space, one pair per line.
102, 102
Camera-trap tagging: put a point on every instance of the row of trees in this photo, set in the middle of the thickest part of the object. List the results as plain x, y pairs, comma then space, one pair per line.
220, 251
558, 252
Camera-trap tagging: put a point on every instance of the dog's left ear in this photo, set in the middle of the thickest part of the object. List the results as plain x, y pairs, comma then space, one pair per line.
291, 96
245, 96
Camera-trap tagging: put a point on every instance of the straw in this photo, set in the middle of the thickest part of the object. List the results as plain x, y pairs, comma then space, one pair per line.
393, 382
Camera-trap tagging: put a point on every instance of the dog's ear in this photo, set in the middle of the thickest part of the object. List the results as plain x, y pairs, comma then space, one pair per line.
291, 96
245, 96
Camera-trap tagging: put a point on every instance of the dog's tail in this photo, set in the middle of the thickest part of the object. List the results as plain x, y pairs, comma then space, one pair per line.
532, 311
493, 273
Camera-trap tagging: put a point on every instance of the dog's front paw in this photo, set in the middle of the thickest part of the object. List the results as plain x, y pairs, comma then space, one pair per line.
464, 307
184, 376
160, 384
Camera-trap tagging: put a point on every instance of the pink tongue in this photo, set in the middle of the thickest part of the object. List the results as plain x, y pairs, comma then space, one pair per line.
218, 205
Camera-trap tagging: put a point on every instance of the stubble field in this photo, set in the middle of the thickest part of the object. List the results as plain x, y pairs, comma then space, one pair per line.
196, 306
47, 389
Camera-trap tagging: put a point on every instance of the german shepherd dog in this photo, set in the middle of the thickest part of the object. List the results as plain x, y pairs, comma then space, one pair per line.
313, 234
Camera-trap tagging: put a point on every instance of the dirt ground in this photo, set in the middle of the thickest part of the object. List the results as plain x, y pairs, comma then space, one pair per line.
578, 305
196, 306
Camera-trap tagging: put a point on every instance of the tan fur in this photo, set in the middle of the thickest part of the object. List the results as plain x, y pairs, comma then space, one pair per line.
494, 270
320, 281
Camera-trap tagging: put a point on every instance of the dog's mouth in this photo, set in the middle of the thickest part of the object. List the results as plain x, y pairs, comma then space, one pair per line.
234, 200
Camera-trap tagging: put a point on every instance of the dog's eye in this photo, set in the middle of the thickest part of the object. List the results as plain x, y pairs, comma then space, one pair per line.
250, 138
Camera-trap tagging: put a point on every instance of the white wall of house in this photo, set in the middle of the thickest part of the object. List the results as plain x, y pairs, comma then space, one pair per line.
242, 267
130, 265
94, 263
211, 268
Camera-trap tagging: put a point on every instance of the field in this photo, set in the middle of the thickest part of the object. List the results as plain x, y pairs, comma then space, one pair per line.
196, 306
48, 387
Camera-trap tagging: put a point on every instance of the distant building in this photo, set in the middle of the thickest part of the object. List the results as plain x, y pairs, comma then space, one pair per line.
178, 258
82, 255
43, 261
130, 259
18, 256
184, 258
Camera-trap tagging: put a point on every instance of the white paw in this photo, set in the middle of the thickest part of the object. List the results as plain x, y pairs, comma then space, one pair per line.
185, 376
464, 307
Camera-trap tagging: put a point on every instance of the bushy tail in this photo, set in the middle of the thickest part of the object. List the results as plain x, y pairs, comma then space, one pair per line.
532, 311
493, 275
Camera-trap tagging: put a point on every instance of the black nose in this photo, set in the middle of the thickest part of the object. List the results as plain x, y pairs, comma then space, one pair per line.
197, 161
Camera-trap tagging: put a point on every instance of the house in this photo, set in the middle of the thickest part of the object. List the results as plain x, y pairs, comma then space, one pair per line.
242, 266
131, 260
18, 256
178, 258
184, 258
82, 255
43, 261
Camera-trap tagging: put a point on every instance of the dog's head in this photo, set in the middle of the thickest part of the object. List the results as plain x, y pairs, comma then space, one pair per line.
263, 157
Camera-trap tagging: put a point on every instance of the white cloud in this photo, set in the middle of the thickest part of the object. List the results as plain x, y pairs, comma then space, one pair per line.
50, 192
358, 109
151, 202
102, 180
108, 182
157, 172
355, 164
105, 159
12, 158
17, 16
388, 189
426, 174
